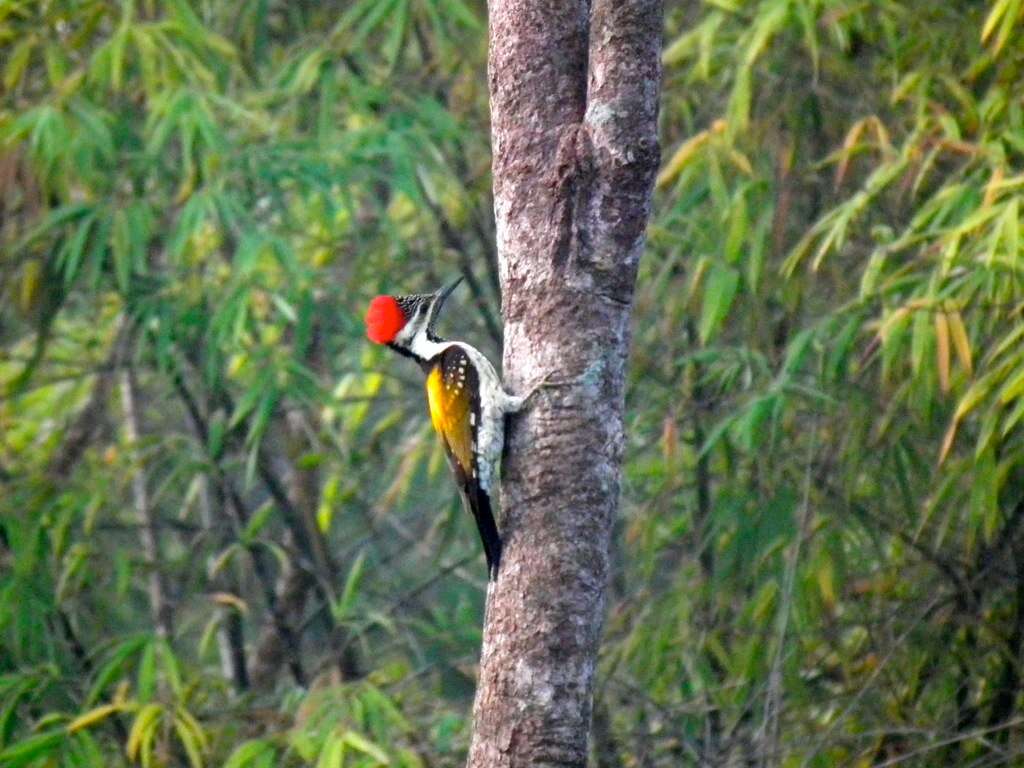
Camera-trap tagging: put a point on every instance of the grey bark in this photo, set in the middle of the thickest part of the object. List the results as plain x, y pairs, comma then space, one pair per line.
273, 648
158, 603
295, 582
574, 96
230, 632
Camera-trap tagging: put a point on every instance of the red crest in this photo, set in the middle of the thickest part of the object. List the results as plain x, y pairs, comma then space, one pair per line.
384, 319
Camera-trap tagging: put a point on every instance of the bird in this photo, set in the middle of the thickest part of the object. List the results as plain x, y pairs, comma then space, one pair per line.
466, 400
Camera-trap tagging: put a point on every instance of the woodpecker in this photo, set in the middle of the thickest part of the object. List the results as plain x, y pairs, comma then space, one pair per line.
465, 397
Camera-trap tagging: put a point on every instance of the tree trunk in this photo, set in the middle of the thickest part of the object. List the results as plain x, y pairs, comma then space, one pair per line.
574, 96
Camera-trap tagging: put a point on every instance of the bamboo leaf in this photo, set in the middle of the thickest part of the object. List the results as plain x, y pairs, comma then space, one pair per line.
764, 602
172, 672
960, 341
720, 290
17, 62
769, 21
146, 721
942, 334
343, 606
230, 600
849, 143
114, 665
257, 522
367, 747
146, 682
999, 9
190, 740
94, 716
332, 755
258, 752
1013, 388
681, 158
29, 750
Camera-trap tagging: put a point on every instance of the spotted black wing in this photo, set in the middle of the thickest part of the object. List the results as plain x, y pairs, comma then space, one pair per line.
453, 396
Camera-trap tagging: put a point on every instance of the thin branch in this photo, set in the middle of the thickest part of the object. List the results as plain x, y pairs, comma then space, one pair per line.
959, 738
228, 498
143, 510
230, 638
770, 730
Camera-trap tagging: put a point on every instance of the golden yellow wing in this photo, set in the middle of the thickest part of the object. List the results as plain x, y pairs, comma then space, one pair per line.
453, 396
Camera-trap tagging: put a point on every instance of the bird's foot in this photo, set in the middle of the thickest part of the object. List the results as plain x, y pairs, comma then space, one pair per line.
550, 382
518, 402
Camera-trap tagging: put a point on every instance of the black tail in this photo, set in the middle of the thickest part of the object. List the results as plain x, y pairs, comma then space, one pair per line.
480, 505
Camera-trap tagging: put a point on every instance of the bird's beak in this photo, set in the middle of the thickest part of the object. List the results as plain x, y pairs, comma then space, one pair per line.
439, 299
445, 292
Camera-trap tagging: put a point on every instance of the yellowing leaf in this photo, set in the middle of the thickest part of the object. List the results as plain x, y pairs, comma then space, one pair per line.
826, 578
145, 721
942, 349
31, 281
93, 716
230, 600
187, 186
1013, 388
121, 693
1011, 229
881, 133
960, 341
191, 740
849, 142
992, 188
977, 392
1004, 15
998, 9
891, 321
18, 62
697, 280
669, 438
947, 440
681, 158
740, 161
764, 601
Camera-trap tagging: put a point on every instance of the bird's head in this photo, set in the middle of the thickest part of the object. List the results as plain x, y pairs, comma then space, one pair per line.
399, 321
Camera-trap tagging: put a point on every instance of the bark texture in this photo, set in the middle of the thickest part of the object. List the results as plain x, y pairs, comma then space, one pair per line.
574, 96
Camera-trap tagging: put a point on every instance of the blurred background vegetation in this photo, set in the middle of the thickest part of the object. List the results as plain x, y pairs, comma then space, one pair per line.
227, 536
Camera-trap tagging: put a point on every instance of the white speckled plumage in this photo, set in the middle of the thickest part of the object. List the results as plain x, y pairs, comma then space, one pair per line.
495, 402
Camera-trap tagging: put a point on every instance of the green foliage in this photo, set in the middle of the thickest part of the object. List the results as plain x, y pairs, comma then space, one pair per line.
820, 559
837, 481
